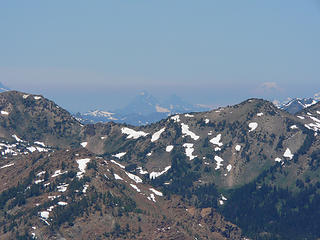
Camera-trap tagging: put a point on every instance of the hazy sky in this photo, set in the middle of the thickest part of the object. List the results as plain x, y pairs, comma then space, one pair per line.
99, 54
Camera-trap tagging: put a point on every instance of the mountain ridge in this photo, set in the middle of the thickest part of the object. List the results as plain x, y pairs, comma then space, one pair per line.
201, 163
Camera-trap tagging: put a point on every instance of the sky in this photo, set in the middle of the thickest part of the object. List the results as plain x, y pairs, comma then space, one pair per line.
100, 54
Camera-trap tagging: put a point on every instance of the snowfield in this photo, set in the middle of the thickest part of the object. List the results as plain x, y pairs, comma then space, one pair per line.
169, 148
288, 154
216, 140
82, 165
4, 113
253, 126
175, 118
135, 187
156, 135
134, 177
119, 155
187, 132
219, 161
8, 165
117, 177
189, 150
120, 165
133, 133
156, 192
154, 175
238, 148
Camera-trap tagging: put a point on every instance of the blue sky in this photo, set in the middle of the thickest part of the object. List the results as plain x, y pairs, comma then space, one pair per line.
99, 54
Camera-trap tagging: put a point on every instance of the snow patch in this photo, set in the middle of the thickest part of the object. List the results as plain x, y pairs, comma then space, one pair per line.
37, 97
135, 187
216, 149
238, 148
132, 133
117, 177
141, 171
156, 192
206, 120
39, 181
288, 154
219, 161
25, 96
154, 175
44, 215
120, 155
58, 172
134, 177
62, 203
187, 132
189, 150
40, 143
8, 165
152, 197
17, 138
300, 117
63, 187
82, 165
175, 118
259, 114
169, 148
84, 144
189, 115
4, 113
85, 188
229, 167
277, 159
156, 135
40, 173
253, 126
120, 165
216, 140
294, 127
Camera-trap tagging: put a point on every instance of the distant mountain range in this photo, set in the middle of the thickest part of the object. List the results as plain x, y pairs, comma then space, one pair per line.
297, 104
143, 109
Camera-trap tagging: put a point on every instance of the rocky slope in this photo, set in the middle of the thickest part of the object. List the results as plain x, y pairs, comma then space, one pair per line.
73, 194
195, 175
34, 118
54, 188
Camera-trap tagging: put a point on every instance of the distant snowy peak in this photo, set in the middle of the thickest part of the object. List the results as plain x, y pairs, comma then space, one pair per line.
99, 113
143, 109
297, 104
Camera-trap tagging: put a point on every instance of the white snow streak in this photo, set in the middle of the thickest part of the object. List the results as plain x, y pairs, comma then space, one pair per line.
156, 135
187, 132
154, 175
169, 148
253, 126
132, 133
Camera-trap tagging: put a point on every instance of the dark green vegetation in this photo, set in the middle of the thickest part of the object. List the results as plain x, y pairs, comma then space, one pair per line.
266, 212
